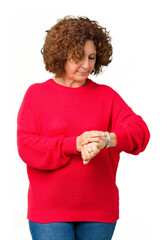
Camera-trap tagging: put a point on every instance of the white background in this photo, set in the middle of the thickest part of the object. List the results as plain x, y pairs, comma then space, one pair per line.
137, 73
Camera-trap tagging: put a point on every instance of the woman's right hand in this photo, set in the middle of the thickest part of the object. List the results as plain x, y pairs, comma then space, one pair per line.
88, 137
89, 151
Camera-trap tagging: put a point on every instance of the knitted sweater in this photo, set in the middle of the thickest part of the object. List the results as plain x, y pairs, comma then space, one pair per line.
61, 187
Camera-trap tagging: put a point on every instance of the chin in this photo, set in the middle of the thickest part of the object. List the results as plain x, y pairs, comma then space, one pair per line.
80, 79
84, 77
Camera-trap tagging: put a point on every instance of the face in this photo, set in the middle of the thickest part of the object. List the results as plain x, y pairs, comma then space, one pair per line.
80, 71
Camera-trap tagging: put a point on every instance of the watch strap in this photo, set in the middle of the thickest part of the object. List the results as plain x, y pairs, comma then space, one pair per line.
108, 140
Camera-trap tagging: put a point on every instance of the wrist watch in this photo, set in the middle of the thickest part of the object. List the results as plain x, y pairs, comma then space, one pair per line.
108, 140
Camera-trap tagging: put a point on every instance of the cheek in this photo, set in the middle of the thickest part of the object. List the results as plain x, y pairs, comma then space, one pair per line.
70, 69
73, 68
92, 66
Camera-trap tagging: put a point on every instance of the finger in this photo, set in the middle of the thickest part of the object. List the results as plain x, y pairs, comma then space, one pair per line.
90, 154
90, 140
86, 153
95, 147
96, 133
85, 142
89, 148
85, 162
83, 154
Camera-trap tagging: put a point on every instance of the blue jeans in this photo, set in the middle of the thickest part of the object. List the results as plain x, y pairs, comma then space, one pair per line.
72, 231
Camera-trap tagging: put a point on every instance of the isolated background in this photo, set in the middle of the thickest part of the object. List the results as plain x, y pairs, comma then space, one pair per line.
137, 73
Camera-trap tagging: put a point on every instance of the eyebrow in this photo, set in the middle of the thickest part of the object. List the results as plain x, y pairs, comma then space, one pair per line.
92, 53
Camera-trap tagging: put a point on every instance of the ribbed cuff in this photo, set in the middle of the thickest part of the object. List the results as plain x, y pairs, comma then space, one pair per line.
70, 146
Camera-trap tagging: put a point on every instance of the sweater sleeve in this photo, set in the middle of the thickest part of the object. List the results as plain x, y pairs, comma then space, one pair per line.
38, 151
131, 131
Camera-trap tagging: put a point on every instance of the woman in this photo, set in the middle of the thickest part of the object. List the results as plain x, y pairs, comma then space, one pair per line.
70, 134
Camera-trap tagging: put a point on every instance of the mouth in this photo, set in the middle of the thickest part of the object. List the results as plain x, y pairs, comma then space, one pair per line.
82, 73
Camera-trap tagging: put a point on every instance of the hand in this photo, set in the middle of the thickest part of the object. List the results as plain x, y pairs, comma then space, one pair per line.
89, 151
88, 137
92, 149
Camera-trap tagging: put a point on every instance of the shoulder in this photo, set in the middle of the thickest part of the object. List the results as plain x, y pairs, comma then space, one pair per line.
36, 89
36, 93
102, 88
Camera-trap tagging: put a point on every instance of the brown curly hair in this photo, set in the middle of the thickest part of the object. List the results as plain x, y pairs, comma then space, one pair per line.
66, 40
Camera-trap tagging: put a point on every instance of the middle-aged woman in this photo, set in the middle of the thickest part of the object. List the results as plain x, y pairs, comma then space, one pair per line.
70, 134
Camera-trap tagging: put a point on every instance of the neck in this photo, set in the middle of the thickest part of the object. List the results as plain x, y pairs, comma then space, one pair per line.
69, 83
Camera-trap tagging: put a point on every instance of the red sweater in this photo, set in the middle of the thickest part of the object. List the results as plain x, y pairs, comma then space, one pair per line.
49, 120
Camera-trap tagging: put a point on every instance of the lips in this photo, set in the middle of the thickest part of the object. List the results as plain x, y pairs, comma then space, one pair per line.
82, 72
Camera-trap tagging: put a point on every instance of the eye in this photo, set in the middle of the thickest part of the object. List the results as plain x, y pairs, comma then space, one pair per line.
91, 58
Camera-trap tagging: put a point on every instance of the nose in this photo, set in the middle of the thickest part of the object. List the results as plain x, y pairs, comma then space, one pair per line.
85, 63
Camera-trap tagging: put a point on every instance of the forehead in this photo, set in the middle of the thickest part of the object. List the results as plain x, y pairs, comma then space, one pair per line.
89, 46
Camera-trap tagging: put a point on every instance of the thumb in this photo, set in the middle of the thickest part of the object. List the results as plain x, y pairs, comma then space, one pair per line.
85, 142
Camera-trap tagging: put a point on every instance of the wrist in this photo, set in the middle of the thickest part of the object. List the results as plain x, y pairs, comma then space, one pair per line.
113, 139
78, 145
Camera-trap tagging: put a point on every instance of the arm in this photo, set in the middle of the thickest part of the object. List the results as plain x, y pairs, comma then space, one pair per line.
132, 134
129, 132
41, 152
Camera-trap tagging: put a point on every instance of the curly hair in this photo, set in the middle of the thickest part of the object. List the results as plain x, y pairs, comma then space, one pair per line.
66, 40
